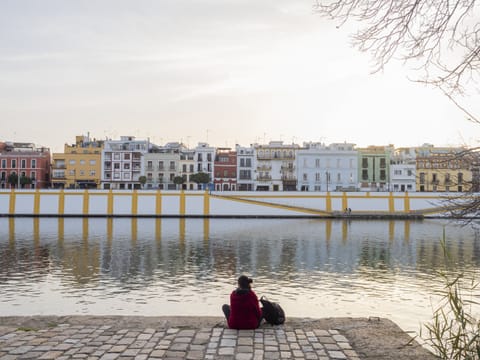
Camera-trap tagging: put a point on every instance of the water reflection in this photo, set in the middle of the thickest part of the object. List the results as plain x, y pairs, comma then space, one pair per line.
315, 268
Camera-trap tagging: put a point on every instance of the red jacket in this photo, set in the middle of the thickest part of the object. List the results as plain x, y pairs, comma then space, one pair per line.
245, 311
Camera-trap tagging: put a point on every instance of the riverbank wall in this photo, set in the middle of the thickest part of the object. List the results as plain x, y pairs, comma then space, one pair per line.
204, 204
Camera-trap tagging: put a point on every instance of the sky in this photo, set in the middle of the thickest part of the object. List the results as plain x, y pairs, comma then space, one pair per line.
224, 72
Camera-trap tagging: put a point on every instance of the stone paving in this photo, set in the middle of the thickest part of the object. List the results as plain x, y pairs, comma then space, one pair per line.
106, 342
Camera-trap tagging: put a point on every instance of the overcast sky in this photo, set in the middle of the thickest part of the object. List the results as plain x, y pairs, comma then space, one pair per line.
222, 71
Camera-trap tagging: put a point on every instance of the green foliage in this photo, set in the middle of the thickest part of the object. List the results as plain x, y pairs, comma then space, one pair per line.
24, 180
13, 179
142, 179
200, 178
454, 332
179, 180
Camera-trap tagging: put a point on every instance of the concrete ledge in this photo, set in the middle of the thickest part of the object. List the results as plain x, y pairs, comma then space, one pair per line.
371, 338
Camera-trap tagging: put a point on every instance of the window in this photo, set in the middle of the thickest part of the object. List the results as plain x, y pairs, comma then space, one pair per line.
82, 172
93, 162
397, 172
317, 177
150, 164
160, 165
209, 157
209, 167
184, 168
364, 174
192, 168
245, 174
126, 166
116, 166
317, 163
126, 156
4, 163
172, 165
422, 178
172, 176
93, 173
82, 162
225, 173
383, 162
242, 162
339, 177
364, 162
126, 176
248, 162
71, 172
305, 177
409, 172
383, 174
23, 163
199, 157
116, 156
4, 176
460, 179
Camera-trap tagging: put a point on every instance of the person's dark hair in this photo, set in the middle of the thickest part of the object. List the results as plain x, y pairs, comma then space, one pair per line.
244, 282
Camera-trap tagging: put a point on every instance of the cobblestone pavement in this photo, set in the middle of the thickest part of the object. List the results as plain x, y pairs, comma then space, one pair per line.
106, 342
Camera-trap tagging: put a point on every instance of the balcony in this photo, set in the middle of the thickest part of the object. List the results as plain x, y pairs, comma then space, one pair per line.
264, 178
264, 168
288, 168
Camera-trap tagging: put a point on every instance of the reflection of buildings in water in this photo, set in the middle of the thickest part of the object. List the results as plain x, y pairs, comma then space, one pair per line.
124, 249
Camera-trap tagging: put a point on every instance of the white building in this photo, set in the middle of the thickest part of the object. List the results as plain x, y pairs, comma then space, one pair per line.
245, 168
327, 168
275, 166
204, 158
162, 165
122, 163
403, 170
187, 167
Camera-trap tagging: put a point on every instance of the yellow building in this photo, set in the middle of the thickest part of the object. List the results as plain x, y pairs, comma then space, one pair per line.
79, 166
443, 169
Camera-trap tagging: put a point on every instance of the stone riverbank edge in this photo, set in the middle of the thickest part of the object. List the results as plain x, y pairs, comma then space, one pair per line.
138, 337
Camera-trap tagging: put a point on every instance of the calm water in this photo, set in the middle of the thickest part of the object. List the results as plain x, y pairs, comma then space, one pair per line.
314, 268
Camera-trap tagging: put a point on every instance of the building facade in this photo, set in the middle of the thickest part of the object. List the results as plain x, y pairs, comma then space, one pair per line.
162, 166
79, 166
445, 169
403, 170
24, 166
327, 168
123, 163
187, 168
275, 166
225, 170
374, 168
245, 168
204, 161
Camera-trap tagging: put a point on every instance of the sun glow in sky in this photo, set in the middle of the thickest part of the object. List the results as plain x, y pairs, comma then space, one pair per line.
221, 71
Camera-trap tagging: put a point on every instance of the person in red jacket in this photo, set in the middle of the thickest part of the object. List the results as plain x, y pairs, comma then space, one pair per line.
244, 310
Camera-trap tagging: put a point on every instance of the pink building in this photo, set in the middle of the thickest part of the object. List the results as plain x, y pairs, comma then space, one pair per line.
24, 166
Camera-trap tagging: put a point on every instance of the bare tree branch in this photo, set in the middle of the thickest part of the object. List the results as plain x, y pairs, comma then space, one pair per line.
440, 38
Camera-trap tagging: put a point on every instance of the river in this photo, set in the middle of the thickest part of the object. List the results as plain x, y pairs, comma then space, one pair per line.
314, 268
